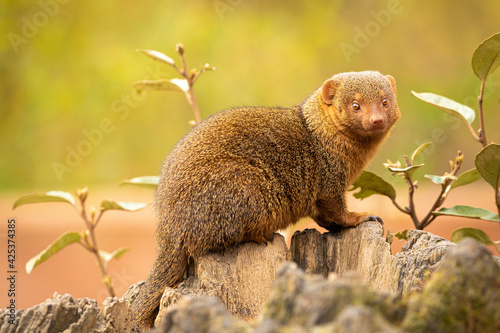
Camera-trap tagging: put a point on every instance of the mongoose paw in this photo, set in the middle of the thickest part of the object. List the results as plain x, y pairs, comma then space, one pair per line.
374, 218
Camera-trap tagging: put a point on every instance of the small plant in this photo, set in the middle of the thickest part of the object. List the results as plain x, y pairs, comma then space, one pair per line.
87, 237
485, 60
184, 85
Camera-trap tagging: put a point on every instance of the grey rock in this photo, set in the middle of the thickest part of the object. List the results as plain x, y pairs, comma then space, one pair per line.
419, 257
305, 300
463, 294
61, 313
200, 315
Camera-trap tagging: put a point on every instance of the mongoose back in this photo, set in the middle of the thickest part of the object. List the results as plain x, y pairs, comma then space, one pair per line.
244, 173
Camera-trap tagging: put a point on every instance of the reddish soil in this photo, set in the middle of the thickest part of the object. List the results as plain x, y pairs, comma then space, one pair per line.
74, 270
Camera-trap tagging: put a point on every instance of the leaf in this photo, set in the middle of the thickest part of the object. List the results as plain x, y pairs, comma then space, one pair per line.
419, 150
439, 179
408, 170
181, 83
51, 196
486, 57
466, 177
157, 56
150, 182
450, 106
402, 235
477, 234
60, 243
488, 164
109, 204
106, 256
469, 212
369, 183
163, 84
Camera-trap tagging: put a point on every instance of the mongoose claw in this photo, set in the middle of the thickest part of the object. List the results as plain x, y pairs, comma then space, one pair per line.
374, 218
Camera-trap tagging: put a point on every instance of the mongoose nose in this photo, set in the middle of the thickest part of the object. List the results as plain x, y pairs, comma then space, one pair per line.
377, 121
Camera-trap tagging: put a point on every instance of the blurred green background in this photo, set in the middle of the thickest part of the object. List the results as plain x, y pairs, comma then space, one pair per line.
67, 69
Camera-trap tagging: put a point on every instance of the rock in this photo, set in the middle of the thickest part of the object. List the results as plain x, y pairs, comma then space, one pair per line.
116, 316
307, 301
61, 313
363, 249
360, 318
172, 296
200, 315
241, 277
420, 256
463, 294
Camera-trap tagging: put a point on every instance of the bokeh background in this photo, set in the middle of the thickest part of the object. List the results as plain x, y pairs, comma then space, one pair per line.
67, 69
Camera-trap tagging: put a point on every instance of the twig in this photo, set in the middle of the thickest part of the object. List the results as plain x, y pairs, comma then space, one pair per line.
404, 210
445, 189
190, 80
92, 245
482, 130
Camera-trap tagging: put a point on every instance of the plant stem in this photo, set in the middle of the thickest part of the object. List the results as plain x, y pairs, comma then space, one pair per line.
497, 199
102, 267
445, 189
411, 209
403, 210
192, 101
92, 247
190, 93
482, 130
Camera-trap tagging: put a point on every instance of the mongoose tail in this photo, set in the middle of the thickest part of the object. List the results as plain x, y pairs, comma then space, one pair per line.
168, 271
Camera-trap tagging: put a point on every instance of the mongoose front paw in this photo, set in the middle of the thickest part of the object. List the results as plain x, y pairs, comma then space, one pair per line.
373, 218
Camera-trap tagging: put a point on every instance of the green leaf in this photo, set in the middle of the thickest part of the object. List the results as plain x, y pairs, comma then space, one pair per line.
486, 58
402, 235
477, 234
466, 177
439, 179
106, 256
156, 55
369, 183
163, 84
150, 182
109, 204
51, 196
60, 243
470, 212
488, 164
419, 150
408, 170
448, 105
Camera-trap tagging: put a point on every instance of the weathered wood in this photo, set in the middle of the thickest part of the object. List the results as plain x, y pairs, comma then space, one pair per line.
364, 250
241, 277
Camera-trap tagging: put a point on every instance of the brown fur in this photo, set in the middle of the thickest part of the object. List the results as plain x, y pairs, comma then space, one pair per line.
245, 173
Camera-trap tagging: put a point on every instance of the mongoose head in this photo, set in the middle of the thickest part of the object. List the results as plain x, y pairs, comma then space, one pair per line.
363, 102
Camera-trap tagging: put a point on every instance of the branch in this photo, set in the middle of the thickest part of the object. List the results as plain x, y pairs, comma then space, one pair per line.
445, 189
403, 210
482, 130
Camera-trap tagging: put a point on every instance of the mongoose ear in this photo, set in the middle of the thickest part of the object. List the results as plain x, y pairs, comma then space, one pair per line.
328, 90
393, 83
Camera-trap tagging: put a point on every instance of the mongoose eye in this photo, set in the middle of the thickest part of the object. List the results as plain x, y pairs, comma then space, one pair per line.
384, 102
355, 106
